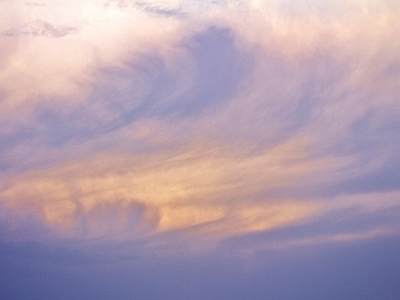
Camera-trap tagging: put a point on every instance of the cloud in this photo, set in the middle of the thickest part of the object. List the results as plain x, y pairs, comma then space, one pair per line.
223, 149
40, 67
127, 120
40, 28
207, 188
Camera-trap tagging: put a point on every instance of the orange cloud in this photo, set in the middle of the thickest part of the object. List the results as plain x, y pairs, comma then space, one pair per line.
206, 188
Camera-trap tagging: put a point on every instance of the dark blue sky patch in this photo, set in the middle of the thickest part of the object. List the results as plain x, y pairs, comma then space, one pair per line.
40, 253
383, 179
220, 68
363, 270
10, 141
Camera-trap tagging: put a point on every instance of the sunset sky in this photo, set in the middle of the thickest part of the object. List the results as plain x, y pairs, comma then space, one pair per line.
200, 149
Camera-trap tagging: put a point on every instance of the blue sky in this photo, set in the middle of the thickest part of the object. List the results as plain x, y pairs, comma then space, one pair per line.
199, 150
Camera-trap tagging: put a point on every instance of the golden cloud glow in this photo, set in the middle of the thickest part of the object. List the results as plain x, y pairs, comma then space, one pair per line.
209, 190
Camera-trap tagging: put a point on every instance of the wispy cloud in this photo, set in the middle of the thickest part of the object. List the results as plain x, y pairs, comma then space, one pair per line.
132, 120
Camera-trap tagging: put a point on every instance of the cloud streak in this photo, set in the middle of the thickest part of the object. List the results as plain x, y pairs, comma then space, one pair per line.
203, 186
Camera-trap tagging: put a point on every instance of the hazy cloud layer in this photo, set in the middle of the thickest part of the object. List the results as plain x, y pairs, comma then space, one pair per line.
200, 122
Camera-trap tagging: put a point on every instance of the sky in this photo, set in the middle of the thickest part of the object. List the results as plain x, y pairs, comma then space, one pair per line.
186, 149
